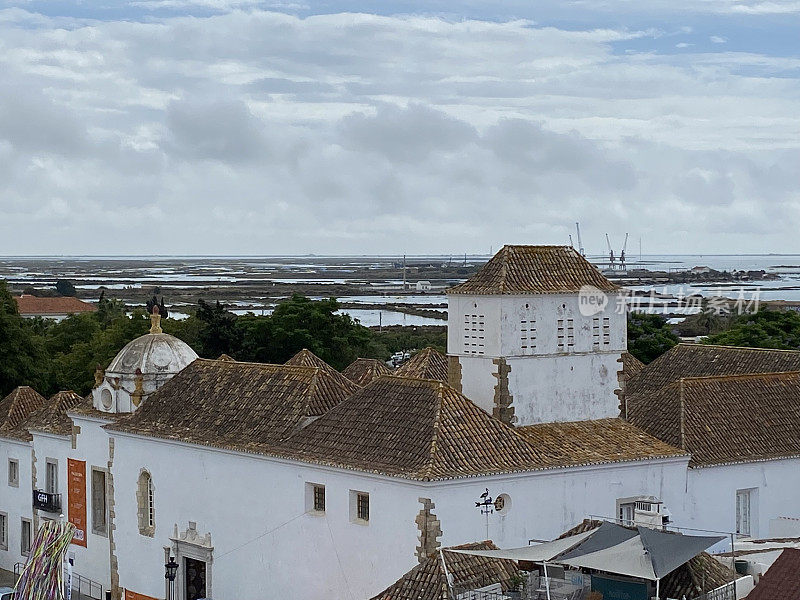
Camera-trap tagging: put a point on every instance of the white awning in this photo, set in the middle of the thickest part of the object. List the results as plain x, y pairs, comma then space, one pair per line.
536, 553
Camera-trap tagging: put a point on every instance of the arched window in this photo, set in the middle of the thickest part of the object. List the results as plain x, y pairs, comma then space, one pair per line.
145, 502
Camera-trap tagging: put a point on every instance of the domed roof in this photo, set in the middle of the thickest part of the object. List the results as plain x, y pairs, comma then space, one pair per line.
153, 353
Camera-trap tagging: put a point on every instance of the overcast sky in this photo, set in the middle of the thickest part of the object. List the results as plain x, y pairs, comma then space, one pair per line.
244, 127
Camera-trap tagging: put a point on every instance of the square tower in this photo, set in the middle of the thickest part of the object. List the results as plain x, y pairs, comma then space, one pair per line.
535, 336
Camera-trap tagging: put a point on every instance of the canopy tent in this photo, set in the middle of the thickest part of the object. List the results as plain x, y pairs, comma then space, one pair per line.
635, 552
607, 535
544, 552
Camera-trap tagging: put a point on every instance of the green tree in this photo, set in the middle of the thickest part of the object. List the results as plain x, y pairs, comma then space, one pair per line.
23, 358
217, 334
649, 336
65, 288
763, 329
299, 323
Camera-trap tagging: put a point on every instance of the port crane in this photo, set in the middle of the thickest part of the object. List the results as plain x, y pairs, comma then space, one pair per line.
610, 252
622, 254
612, 260
580, 242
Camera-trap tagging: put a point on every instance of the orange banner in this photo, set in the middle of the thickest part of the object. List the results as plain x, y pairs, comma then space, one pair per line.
129, 595
76, 499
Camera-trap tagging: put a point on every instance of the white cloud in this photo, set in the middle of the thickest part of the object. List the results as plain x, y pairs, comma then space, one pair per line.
259, 132
716, 39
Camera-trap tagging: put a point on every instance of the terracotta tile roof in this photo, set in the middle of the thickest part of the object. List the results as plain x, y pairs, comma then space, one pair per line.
237, 405
631, 365
427, 581
698, 576
425, 364
782, 579
727, 419
700, 360
18, 406
52, 417
331, 387
363, 370
414, 428
598, 441
534, 270
425, 430
58, 305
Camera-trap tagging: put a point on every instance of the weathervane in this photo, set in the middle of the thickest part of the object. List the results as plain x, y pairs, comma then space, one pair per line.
487, 508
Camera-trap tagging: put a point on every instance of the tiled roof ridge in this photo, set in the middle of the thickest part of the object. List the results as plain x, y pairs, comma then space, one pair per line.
237, 364
727, 347
409, 378
738, 376
427, 472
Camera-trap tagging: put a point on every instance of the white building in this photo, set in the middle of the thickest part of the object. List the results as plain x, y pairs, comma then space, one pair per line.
290, 481
536, 336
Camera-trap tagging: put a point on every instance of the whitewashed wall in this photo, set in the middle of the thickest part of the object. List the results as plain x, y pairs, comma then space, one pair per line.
548, 384
264, 546
710, 500
15, 502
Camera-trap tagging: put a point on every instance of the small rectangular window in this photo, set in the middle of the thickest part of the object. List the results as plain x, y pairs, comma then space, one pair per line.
562, 342
570, 333
13, 472
596, 332
363, 507
51, 476
319, 498
25, 538
99, 504
606, 332
3, 531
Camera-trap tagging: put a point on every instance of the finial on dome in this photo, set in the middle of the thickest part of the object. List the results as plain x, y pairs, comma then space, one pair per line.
155, 320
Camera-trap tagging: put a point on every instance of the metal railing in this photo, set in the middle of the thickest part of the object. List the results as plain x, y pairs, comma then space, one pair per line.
86, 588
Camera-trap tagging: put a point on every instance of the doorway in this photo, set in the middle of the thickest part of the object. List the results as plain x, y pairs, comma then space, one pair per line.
195, 578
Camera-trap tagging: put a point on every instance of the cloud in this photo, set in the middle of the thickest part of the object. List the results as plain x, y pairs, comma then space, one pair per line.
261, 132
716, 39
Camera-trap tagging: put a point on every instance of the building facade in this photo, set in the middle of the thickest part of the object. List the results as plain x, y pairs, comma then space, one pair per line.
292, 481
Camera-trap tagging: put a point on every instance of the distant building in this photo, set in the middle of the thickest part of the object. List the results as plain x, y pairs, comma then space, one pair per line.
700, 270
423, 286
57, 308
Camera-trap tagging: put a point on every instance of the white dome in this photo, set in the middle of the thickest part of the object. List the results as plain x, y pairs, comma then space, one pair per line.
153, 353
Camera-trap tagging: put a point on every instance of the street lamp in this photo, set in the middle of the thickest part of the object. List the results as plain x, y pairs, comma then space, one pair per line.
170, 570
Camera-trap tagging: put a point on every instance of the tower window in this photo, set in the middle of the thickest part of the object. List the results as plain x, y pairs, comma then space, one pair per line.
570, 333
596, 332
527, 334
560, 334
606, 332
474, 334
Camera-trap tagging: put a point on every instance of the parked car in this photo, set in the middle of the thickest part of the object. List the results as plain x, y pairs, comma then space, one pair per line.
6, 593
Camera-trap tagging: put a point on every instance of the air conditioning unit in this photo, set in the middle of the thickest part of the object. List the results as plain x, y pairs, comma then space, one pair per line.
650, 512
